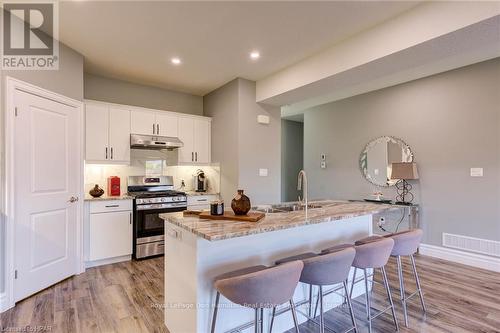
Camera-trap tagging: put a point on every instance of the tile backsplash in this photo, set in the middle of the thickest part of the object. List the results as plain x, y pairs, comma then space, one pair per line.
151, 163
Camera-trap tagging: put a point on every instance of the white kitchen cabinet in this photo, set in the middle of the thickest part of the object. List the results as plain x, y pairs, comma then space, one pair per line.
154, 123
96, 132
143, 122
195, 134
109, 230
107, 134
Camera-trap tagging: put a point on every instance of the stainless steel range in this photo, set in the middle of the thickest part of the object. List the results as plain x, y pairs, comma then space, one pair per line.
152, 196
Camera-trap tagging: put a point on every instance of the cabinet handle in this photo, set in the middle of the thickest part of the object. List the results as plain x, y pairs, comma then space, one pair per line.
157, 128
111, 152
153, 128
192, 157
199, 200
106, 152
196, 156
112, 206
130, 218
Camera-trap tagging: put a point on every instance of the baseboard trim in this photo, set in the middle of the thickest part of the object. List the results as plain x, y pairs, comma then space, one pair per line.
89, 264
461, 257
4, 304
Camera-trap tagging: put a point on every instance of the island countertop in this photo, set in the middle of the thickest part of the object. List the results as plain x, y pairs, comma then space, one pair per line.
330, 210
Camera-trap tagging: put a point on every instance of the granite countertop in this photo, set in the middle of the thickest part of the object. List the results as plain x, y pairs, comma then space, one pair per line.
330, 210
105, 197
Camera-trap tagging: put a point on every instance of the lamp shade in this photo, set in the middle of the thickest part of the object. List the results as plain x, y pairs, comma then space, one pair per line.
404, 171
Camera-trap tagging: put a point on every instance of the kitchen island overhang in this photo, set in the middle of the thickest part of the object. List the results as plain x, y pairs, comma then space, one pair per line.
199, 250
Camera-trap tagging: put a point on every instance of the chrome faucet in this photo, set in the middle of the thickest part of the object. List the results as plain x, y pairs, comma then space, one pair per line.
302, 185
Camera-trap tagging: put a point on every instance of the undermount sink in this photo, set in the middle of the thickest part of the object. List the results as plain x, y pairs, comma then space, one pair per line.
286, 208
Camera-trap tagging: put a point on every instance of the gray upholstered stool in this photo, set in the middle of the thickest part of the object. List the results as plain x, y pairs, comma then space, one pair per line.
259, 287
406, 244
327, 269
373, 253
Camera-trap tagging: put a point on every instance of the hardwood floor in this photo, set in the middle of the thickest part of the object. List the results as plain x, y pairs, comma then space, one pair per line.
127, 297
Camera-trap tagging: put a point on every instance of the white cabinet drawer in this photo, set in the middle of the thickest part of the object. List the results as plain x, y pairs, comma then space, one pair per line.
106, 206
201, 199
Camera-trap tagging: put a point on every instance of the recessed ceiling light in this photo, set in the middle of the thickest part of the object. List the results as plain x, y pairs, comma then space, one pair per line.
254, 55
176, 61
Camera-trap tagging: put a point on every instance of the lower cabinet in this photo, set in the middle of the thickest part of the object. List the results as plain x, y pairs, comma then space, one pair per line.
109, 231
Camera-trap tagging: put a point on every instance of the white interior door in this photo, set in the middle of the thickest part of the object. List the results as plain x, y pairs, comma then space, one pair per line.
119, 135
47, 171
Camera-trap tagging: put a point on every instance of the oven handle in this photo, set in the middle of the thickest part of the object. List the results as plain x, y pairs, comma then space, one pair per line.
161, 206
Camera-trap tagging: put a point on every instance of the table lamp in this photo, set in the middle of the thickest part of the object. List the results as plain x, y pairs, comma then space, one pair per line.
403, 172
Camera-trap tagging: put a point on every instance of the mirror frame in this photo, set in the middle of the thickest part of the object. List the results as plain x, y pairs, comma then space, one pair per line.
364, 153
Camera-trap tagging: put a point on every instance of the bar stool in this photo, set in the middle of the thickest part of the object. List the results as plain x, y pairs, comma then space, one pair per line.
373, 253
323, 270
406, 244
259, 287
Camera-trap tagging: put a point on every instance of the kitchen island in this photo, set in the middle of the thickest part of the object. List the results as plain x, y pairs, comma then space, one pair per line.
197, 250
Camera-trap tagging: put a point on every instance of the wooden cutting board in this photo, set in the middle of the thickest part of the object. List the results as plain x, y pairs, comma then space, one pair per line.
229, 215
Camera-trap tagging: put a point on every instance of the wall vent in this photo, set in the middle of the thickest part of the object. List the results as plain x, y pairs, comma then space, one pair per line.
478, 245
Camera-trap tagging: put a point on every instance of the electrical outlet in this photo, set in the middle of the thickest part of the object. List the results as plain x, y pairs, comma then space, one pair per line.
323, 165
323, 157
263, 172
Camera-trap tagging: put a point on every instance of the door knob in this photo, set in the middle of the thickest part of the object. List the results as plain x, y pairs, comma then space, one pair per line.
73, 199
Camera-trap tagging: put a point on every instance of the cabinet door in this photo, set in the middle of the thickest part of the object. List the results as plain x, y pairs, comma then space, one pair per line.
142, 122
167, 124
96, 132
119, 135
110, 235
186, 135
202, 141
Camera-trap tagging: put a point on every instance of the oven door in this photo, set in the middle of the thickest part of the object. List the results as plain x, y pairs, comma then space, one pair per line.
147, 223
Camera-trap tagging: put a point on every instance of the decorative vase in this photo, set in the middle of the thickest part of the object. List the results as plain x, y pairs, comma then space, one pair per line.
241, 204
96, 192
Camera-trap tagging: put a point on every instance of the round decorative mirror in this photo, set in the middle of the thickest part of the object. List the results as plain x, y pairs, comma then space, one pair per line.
376, 159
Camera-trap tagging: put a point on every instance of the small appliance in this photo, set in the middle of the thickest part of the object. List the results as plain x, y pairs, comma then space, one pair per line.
114, 186
200, 181
152, 196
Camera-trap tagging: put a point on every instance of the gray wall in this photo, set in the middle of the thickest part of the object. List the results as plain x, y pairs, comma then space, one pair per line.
122, 92
292, 157
241, 145
68, 81
222, 106
452, 123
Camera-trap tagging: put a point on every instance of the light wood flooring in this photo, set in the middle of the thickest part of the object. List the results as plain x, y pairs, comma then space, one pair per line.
127, 297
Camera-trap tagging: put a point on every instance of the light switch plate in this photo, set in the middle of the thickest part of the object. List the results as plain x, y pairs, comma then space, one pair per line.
263, 119
263, 172
476, 172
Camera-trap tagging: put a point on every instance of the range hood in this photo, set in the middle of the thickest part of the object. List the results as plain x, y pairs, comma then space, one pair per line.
138, 141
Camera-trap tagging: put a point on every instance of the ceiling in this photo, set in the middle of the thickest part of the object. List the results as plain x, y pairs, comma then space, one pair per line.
135, 40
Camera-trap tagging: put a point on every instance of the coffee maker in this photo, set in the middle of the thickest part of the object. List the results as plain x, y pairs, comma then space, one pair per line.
200, 181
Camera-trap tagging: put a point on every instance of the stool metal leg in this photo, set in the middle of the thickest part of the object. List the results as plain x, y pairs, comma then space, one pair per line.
419, 288
294, 315
353, 281
387, 288
348, 300
216, 306
310, 300
402, 289
368, 303
272, 320
321, 319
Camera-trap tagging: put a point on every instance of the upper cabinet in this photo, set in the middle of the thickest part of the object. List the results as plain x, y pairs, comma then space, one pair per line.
107, 134
108, 129
195, 134
154, 123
